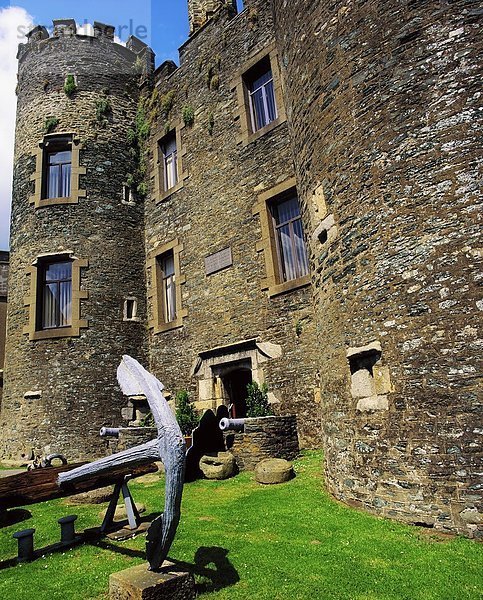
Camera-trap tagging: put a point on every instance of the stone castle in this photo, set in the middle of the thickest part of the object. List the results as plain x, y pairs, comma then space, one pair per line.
295, 204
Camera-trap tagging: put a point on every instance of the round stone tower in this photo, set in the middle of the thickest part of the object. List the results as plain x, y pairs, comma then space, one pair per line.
383, 101
76, 288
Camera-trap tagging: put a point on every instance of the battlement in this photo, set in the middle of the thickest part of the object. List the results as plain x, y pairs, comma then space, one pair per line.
200, 11
39, 36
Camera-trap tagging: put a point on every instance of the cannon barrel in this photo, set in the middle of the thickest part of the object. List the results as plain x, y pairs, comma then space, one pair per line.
232, 424
109, 432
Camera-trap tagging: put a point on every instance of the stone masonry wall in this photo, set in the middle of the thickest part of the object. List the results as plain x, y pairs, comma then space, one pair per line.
213, 211
264, 437
384, 105
59, 392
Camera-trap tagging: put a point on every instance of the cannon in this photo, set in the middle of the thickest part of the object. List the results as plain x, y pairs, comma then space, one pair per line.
232, 424
109, 432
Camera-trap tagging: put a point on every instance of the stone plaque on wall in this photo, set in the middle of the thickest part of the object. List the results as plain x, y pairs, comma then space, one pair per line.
218, 261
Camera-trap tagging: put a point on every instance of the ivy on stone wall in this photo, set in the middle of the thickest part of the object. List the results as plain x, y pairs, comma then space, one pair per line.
167, 103
137, 137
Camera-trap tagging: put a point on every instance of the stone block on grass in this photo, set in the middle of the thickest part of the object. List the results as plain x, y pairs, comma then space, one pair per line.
273, 470
137, 583
220, 465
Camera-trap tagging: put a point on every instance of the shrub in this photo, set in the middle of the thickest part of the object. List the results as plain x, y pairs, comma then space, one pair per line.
70, 85
50, 124
215, 82
188, 115
142, 189
103, 110
185, 413
257, 400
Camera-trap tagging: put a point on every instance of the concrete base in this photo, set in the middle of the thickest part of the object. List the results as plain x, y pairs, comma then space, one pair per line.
137, 583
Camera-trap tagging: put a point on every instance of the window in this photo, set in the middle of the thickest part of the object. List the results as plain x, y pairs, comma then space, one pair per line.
55, 294
168, 171
283, 241
165, 283
127, 196
54, 303
169, 153
168, 286
258, 87
130, 310
261, 96
289, 235
57, 173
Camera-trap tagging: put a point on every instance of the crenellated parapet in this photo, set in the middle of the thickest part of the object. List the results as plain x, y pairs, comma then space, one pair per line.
134, 52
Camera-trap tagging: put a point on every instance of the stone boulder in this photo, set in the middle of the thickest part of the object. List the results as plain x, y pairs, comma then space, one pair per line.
273, 470
220, 465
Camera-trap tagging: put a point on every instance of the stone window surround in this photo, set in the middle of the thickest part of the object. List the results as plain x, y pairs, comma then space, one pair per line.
31, 301
156, 323
76, 170
268, 245
242, 112
135, 317
159, 192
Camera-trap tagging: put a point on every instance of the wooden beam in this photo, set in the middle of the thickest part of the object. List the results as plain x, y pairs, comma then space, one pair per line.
41, 484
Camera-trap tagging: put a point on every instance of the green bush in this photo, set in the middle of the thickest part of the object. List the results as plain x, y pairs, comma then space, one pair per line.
185, 413
50, 124
142, 189
103, 110
257, 400
188, 115
70, 85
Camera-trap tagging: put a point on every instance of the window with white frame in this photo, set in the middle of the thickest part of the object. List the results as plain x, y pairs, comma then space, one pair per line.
57, 168
169, 154
261, 95
54, 295
166, 266
289, 237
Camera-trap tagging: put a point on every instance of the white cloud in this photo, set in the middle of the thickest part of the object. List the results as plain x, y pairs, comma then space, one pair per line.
14, 22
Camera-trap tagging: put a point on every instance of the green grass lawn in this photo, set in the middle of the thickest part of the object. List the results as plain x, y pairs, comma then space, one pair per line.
247, 541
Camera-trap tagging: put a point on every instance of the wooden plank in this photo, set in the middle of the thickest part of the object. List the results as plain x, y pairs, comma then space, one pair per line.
41, 484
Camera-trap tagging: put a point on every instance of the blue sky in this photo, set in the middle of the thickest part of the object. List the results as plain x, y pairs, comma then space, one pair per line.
163, 23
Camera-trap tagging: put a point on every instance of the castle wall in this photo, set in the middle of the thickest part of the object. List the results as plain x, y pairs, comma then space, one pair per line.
382, 99
213, 210
59, 391
4, 260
